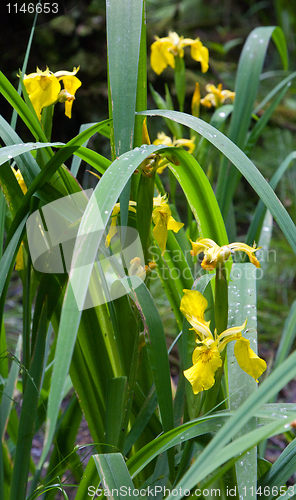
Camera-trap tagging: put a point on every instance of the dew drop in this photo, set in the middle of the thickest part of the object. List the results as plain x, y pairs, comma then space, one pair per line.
9, 157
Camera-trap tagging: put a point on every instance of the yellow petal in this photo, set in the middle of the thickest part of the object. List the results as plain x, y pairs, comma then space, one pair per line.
19, 261
201, 54
202, 374
160, 233
145, 134
230, 334
187, 143
248, 360
236, 247
173, 225
43, 89
193, 306
71, 84
163, 139
20, 180
161, 57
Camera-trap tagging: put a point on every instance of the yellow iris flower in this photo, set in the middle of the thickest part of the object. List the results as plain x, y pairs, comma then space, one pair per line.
163, 221
206, 356
213, 254
44, 89
164, 50
167, 141
216, 96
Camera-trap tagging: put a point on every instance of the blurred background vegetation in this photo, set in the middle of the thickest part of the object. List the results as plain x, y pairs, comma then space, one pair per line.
77, 37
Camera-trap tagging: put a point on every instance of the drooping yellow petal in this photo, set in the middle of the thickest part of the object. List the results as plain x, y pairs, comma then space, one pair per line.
237, 247
161, 57
248, 360
200, 244
71, 84
43, 89
173, 225
193, 306
201, 375
161, 215
200, 53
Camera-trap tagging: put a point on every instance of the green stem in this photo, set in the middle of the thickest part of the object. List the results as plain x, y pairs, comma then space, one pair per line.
221, 319
180, 81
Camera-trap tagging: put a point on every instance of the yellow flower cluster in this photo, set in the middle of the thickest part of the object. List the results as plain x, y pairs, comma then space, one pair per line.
44, 89
206, 356
164, 50
161, 216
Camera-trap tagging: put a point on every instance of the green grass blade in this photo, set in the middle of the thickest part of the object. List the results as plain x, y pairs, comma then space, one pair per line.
243, 164
287, 338
99, 162
156, 347
199, 194
274, 91
256, 224
246, 88
114, 475
9, 152
262, 122
26, 163
141, 100
7, 395
116, 388
141, 421
183, 433
76, 161
280, 471
242, 306
28, 415
8, 258
89, 482
124, 24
